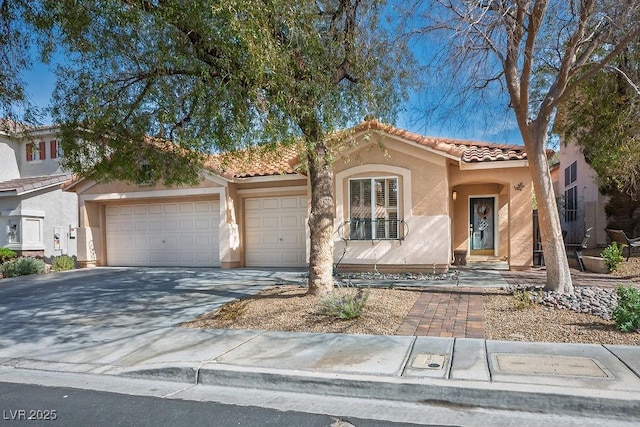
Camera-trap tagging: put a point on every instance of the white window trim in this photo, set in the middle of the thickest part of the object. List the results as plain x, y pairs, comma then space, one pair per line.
372, 179
404, 191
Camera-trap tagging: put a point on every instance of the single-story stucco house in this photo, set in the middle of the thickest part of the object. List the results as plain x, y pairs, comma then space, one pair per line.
403, 202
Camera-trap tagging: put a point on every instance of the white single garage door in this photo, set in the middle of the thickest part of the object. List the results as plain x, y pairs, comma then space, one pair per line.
181, 234
275, 231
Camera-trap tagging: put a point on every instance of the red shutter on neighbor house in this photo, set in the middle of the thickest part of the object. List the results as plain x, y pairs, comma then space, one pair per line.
53, 149
29, 152
41, 147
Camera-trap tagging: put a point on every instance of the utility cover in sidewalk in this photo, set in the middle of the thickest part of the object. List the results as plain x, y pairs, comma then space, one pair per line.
428, 361
549, 365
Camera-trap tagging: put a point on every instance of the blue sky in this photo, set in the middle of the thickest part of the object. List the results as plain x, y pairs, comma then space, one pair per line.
482, 125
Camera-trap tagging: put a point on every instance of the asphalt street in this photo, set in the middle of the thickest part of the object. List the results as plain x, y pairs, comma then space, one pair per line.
45, 406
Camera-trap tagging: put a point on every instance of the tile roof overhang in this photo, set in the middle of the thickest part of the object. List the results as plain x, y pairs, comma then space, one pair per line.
20, 186
275, 160
284, 159
465, 151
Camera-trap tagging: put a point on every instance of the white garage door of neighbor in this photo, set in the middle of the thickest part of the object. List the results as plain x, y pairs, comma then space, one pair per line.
181, 234
275, 231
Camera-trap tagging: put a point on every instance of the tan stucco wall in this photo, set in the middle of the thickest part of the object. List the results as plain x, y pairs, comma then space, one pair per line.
429, 187
423, 205
125, 187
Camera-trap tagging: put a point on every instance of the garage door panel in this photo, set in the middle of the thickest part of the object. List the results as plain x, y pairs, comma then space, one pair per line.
289, 221
289, 238
252, 223
261, 258
253, 204
140, 209
154, 209
186, 207
186, 225
203, 224
270, 203
203, 242
170, 225
275, 231
170, 208
202, 207
270, 221
289, 202
155, 258
271, 239
140, 226
163, 234
140, 242
154, 225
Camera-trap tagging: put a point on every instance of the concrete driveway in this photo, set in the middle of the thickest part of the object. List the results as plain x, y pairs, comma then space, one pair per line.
32, 307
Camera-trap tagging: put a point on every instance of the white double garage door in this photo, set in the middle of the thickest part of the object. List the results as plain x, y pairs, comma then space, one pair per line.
186, 233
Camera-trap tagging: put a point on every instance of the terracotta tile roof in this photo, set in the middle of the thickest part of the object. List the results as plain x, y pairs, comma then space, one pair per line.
23, 185
259, 161
467, 151
281, 160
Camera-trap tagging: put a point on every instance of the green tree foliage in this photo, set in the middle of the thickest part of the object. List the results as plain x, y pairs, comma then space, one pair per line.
204, 76
603, 118
24, 37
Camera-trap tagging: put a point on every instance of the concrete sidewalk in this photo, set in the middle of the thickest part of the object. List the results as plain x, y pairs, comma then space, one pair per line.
550, 378
81, 335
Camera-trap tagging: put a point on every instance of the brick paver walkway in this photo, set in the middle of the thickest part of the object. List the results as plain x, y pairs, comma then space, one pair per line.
453, 312
458, 312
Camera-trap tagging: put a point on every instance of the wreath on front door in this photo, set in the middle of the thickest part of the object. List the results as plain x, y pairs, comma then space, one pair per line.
483, 209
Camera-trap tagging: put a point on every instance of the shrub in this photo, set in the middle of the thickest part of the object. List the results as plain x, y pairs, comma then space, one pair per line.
63, 263
612, 255
524, 298
22, 267
345, 302
627, 314
6, 255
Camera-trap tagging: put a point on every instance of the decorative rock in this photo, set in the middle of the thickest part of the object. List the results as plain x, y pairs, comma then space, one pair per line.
592, 300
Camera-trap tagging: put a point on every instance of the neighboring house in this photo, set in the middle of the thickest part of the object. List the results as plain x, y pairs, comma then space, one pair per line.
580, 203
403, 202
37, 218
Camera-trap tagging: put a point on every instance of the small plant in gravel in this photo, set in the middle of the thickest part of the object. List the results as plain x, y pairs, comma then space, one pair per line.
525, 298
231, 310
6, 255
612, 256
627, 314
63, 263
345, 303
22, 267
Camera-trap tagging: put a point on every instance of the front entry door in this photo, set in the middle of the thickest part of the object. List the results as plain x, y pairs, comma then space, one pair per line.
482, 215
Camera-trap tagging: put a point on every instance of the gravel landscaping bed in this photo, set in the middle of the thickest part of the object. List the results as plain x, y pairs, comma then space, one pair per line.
581, 318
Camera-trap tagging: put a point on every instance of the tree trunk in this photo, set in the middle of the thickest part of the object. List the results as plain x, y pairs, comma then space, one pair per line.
321, 217
555, 257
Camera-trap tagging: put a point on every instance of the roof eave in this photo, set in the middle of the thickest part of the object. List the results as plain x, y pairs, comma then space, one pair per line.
493, 164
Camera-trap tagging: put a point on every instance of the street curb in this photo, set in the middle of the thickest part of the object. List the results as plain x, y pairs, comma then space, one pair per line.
457, 394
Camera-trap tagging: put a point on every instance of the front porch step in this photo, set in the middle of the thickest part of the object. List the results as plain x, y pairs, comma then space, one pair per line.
485, 262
